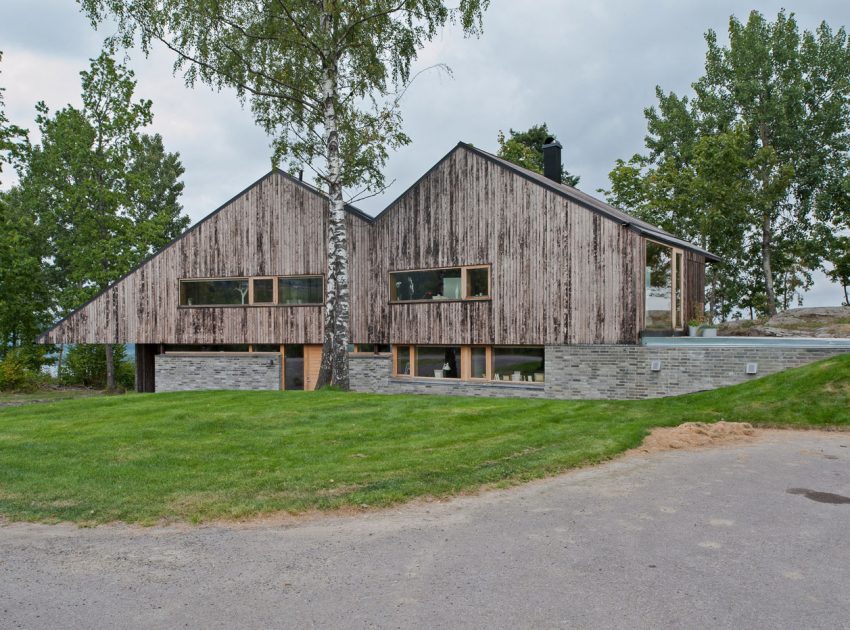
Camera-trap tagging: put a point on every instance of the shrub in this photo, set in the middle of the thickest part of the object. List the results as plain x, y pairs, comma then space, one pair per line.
85, 364
17, 373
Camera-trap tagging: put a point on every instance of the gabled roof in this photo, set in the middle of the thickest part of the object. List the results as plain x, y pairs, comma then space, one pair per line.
275, 171
575, 195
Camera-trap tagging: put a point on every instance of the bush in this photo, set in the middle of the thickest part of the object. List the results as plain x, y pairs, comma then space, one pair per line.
17, 373
85, 364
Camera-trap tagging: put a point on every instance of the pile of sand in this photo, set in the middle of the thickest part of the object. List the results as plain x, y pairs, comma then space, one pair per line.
696, 435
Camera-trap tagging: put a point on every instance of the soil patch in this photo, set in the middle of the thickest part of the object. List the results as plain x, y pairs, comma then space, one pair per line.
691, 435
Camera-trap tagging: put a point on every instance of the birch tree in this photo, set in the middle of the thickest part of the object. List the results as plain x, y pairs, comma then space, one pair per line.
323, 79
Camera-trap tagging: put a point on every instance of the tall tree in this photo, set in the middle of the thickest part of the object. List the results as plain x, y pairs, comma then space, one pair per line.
788, 95
108, 192
324, 79
24, 299
525, 148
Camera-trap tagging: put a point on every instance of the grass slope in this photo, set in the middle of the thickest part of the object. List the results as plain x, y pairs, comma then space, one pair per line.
204, 455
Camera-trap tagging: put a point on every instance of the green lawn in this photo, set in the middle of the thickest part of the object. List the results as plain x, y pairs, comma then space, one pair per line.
205, 455
46, 395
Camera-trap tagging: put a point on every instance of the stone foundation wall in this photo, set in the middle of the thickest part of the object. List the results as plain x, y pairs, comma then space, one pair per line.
176, 372
606, 372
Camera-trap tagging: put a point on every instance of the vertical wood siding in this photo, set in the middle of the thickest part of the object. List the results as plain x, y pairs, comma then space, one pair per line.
277, 227
561, 273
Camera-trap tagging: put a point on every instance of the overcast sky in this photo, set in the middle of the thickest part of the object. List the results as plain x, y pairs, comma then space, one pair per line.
588, 69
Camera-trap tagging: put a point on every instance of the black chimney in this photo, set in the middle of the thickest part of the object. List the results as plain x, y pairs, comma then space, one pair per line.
552, 159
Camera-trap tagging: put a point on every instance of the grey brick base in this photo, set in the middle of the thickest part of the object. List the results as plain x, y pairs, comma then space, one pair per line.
176, 372
606, 372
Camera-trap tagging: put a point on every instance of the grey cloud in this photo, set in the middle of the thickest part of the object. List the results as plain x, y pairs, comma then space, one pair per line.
586, 68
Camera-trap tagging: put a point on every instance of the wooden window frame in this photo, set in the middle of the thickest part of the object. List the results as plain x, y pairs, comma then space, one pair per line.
253, 279
463, 284
677, 281
465, 364
250, 297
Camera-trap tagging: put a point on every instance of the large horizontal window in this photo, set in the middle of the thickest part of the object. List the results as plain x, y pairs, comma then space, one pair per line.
517, 364
450, 283
214, 292
301, 290
254, 291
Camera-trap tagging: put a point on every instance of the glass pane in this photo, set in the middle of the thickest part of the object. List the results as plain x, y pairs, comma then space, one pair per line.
659, 287
440, 284
402, 360
518, 364
293, 368
213, 292
439, 362
680, 311
371, 348
266, 347
301, 290
263, 291
477, 282
479, 363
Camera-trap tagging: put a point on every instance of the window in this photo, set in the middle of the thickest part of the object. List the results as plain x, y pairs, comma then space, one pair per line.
478, 362
265, 347
523, 364
664, 287
369, 348
263, 290
220, 347
294, 290
402, 360
477, 283
438, 361
214, 292
285, 290
518, 364
450, 283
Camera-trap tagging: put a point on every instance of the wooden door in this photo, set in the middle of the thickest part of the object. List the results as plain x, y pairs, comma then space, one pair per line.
312, 363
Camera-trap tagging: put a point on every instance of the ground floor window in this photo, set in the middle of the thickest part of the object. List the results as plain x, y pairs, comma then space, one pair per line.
524, 364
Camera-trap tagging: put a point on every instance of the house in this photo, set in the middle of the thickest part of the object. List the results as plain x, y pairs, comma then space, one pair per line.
483, 278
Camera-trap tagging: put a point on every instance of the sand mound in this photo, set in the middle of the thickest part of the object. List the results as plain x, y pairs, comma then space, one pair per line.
696, 435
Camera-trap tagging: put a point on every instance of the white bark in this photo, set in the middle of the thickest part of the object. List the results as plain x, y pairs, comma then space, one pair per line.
334, 367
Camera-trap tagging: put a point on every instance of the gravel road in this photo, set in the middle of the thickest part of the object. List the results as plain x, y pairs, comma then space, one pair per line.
753, 535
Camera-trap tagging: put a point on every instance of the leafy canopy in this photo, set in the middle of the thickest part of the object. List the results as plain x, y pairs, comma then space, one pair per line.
525, 148
276, 55
754, 166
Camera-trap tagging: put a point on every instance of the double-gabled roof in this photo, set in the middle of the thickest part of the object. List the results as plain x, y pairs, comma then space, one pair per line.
572, 194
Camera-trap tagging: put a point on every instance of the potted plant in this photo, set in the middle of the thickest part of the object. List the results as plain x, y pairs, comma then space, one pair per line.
709, 330
694, 326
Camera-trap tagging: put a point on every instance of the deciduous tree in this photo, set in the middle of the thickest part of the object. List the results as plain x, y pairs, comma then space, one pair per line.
323, 78
780, 103
525, 148
106, 193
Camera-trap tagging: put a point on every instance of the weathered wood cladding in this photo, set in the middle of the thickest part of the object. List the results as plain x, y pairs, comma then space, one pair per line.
561, 273
276, 227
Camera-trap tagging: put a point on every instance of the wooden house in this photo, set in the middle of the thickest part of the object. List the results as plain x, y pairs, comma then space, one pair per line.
470, 276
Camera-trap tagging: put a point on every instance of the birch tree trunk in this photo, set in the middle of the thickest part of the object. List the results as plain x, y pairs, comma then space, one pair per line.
769, 290
334, 367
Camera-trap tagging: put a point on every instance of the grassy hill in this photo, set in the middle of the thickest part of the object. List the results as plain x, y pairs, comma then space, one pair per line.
205, 455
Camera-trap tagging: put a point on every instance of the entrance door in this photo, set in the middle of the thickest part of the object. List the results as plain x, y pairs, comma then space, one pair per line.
293, 367
301, 365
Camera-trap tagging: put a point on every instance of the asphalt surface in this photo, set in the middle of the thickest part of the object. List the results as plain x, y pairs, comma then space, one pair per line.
701, 539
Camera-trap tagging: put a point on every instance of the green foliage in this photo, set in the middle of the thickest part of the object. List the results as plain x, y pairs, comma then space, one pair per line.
755, 166
85, 365
280, 57
205, 455
19, 372
108, 192
838, 256
525, 148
